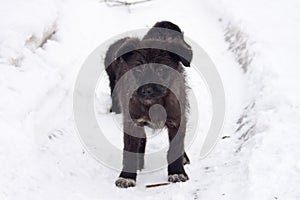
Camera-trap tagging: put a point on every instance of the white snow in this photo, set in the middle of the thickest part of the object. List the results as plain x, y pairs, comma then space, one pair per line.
43, 45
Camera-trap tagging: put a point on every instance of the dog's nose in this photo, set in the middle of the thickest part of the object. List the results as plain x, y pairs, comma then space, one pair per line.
145, 91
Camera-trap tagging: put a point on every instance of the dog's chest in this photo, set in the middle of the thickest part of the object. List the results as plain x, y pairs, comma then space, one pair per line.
144, 121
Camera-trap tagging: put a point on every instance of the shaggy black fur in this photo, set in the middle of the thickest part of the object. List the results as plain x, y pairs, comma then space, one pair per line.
128, 55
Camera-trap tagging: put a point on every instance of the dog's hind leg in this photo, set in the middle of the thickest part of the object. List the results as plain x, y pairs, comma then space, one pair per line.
185, 159
115, 104
115, 107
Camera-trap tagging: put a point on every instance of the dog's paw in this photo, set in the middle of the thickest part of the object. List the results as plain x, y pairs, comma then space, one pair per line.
174, 178
125, 182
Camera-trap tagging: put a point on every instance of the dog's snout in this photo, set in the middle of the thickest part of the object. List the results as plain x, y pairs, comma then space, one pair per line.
146, 90
151, 90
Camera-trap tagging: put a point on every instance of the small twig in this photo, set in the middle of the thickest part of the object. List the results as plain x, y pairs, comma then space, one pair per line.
113, 3
156, 185
225, 137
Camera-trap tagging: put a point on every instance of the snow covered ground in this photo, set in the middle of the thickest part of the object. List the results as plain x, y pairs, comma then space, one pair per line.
254, 45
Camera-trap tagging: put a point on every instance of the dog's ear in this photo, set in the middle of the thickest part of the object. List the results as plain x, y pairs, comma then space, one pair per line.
180, 51
128, 49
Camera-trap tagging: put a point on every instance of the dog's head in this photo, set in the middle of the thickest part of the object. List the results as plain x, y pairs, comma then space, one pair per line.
153, 61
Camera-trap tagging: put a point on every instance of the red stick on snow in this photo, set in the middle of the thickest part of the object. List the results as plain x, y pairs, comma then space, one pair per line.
156, 185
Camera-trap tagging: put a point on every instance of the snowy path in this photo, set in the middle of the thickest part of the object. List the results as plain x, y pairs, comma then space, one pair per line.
40, 153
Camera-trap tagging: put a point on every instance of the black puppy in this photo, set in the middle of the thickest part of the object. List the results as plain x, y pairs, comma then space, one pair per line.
130, 62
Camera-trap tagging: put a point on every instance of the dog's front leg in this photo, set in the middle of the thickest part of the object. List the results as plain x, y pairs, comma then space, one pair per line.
133, 136
176, 172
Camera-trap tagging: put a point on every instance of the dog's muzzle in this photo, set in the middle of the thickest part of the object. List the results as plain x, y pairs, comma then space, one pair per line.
151, 90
